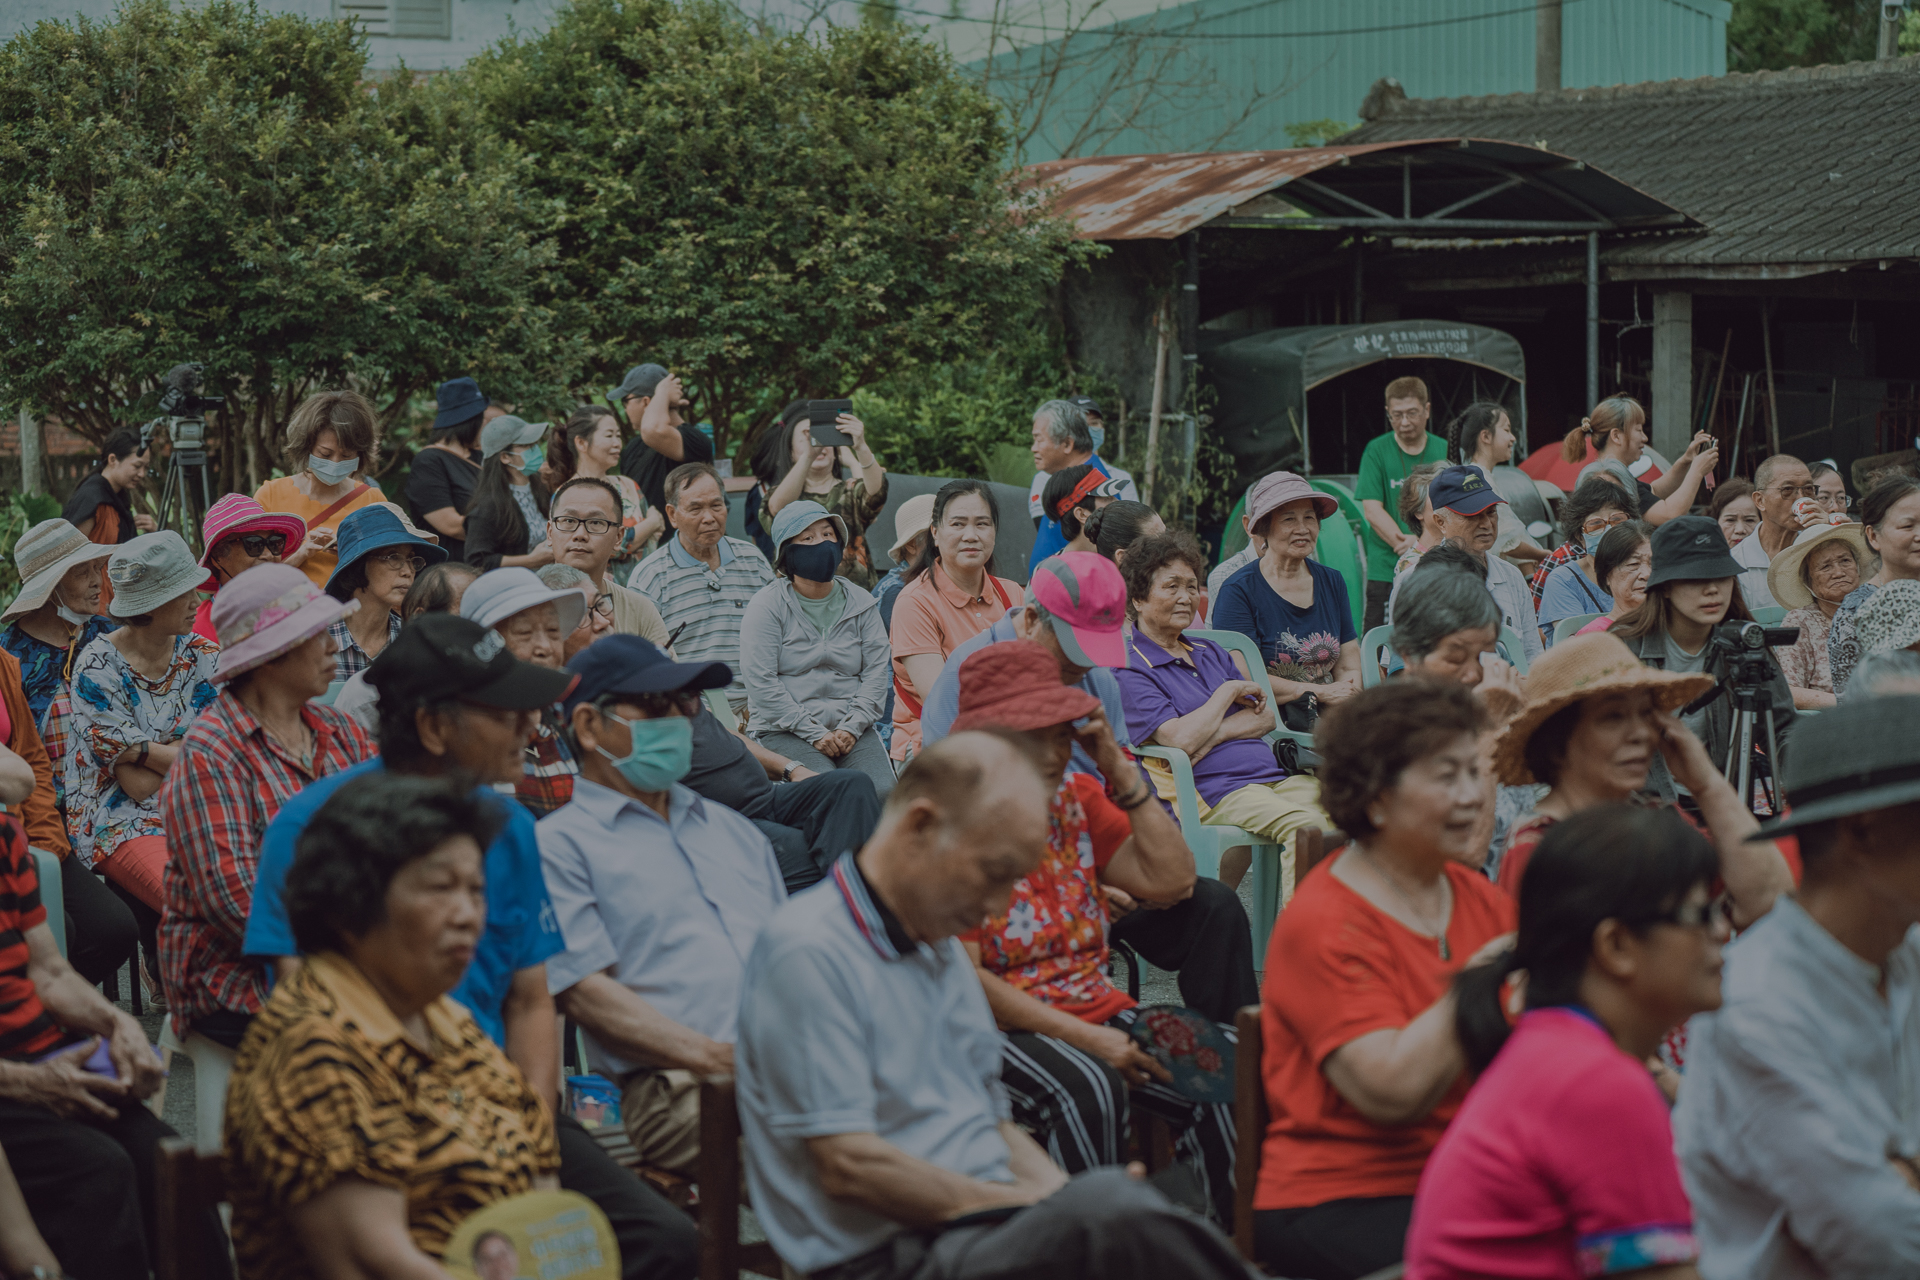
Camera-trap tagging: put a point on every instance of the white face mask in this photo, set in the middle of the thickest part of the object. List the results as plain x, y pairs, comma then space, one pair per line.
68, 615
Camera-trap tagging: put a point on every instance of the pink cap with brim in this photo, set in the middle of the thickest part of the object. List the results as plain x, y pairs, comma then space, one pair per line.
268, 611
237, 513
1275, 491
1088, 600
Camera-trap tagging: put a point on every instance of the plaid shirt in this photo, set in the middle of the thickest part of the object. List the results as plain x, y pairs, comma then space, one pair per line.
228, 782
546, 781
352, 659
1566, 553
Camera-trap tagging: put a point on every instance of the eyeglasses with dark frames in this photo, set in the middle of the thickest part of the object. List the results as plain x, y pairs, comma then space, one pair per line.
596, 525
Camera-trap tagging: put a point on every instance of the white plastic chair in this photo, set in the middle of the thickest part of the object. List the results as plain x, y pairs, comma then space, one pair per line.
212, 1068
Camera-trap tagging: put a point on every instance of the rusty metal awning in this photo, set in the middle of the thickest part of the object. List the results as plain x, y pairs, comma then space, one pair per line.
1449, 187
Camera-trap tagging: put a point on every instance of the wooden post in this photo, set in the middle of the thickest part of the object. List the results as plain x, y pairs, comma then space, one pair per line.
1773, 401
1153, 418
33, 454
1671, 412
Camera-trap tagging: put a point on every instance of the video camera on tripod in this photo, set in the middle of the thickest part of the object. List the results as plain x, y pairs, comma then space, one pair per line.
184, 410
1743, 650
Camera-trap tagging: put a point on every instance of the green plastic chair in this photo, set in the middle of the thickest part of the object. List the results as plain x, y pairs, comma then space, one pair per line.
1374, 646
1339, 549
1516, 653
53, 897
1769, 615
1349, 505
1569, 626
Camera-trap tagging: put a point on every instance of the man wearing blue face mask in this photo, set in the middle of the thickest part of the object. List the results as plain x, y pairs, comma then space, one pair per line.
660, 894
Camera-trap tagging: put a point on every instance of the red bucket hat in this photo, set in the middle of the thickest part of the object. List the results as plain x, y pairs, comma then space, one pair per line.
1016, 685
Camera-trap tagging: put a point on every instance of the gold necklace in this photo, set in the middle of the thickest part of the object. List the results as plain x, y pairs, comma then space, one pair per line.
1446, 951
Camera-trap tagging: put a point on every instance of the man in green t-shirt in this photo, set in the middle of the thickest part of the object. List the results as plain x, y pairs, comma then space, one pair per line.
1383, 469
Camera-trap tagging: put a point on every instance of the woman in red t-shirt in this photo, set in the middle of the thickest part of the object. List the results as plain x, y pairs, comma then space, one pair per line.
1561, 1161
1360, 1062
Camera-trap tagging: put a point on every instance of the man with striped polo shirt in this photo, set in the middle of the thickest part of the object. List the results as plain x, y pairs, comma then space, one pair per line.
701, 579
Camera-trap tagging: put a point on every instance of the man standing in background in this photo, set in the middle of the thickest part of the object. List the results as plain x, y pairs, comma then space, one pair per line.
1062, 438
1384, 467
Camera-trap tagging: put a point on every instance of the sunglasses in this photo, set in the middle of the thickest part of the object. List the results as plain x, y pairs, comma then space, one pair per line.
258, 544
685, 701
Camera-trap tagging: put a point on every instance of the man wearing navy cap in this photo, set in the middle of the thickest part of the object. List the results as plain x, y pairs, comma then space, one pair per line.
1467, 507
660, 894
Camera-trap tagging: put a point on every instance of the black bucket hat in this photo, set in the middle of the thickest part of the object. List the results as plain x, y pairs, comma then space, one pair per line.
1691, 549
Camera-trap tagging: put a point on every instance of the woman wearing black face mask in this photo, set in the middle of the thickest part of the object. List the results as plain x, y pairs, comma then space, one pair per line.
814, 653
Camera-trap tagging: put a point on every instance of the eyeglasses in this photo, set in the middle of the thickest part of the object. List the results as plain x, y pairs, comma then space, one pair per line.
603, 604
1713, 914
685, 701
596, 525
1835, 501
259, 544
1600, 524
1404, 415
1797, 491
398, 560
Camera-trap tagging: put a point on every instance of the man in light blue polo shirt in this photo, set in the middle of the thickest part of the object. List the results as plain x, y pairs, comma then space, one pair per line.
661, 894
879, 1139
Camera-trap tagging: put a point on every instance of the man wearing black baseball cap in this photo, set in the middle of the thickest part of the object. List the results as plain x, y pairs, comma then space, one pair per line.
453, 698
652, 401
659, 892
1467, 508
1798, 1125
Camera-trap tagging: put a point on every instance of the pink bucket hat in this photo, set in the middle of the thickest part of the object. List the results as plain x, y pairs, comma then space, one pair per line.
270, 610
237, 513
1088, 600
1272, 492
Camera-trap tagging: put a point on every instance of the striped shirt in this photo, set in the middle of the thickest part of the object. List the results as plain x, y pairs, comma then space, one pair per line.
705, 606
26, 1029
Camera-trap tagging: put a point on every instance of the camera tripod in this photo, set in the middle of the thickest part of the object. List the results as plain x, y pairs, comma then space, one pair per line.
1750, 703
176, 509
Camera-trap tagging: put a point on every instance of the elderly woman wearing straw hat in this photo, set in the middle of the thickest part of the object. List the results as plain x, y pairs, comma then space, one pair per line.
1812, 577
56, 613
260, 741
1594, 720
238, 534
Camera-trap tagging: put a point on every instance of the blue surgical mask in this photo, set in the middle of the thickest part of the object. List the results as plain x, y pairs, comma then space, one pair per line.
332, 472
661, 754
531, 457
815, 562
1099, 435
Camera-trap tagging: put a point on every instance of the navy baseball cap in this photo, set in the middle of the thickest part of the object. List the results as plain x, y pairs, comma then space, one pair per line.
628, 664
1463, 489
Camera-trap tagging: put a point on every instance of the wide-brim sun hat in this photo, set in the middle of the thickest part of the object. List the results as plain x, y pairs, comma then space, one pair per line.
406, 522
1853, 758
498, 594
1275, 491
796, 518
375, 527
238, 514
1577, 668
1783, 574
1691, 549
151, 570
914, 517
1015, 684
1890, 619
269, 611
43, 555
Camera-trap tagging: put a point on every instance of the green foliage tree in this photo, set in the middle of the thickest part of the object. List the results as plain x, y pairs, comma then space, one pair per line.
771, 216
1766, 35
218, 184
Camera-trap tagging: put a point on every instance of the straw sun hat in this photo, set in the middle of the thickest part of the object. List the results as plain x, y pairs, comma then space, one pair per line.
1783, 574
1576, 668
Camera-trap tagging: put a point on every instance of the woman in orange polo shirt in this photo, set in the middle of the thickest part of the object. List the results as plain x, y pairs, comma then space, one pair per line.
951, 596
1360, 1060
331, 449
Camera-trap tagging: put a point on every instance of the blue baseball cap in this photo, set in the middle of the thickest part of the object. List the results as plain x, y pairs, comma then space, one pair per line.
1463, 489
624, 663
459, 399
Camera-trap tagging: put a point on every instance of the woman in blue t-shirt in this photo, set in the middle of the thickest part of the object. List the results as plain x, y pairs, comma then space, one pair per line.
1294, 609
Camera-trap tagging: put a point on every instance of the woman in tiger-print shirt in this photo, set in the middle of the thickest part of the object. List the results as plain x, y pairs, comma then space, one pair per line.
367, 1113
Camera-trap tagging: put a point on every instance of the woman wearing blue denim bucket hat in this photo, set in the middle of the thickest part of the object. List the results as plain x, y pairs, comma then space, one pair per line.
379, 555
814, 654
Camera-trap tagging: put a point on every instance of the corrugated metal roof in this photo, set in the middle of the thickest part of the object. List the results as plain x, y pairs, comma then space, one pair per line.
1425, 186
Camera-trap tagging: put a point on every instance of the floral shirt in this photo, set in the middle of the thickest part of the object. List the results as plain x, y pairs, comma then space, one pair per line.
43, 666
1804, 662
1843, 643
115, 707
1052, 943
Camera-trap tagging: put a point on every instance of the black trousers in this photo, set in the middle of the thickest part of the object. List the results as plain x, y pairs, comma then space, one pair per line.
1102, 1225
813, 821
1207, 941
89, 1185
101, 929
1338, 1240
657, 1241
1378, 594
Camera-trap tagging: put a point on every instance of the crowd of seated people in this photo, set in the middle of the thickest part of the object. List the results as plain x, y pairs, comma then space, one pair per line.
375, 799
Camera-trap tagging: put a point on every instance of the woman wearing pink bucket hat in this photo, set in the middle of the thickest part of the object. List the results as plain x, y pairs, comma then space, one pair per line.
257, 743
238, 534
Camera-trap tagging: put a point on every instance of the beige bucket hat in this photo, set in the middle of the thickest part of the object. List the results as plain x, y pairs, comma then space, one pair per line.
43, 555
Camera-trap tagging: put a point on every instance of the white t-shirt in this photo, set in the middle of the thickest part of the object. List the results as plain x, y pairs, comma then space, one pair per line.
1753, 559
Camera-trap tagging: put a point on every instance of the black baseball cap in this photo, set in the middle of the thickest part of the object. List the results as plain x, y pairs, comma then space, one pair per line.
1691, 549
442, 655
1463, 489
1087, 404
628, 664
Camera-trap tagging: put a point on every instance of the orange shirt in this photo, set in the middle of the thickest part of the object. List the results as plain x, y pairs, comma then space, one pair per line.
931, 615
284, 495
1338, 968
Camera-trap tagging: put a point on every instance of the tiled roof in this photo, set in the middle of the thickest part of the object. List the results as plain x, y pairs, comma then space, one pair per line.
1815, 166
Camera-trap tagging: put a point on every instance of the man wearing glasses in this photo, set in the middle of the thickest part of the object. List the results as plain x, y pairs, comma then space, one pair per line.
1384, 467
1778, 483
583, 524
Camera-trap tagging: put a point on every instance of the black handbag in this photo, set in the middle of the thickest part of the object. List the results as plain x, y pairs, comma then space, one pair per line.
1301, 714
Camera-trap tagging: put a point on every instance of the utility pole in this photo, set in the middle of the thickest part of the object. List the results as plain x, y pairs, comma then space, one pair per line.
1546, 45
1890, 15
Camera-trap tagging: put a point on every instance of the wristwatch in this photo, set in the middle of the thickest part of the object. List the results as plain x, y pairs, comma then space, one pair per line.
786, 774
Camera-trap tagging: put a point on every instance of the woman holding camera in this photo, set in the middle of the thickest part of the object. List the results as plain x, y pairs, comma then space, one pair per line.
821, 473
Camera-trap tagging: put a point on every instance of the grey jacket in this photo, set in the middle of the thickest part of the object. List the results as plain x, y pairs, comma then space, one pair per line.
1651, 649
803, 683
